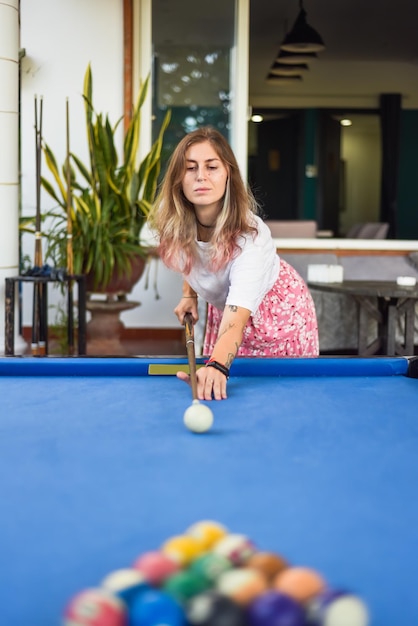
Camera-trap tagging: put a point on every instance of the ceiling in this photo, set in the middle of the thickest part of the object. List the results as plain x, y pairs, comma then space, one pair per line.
371, 48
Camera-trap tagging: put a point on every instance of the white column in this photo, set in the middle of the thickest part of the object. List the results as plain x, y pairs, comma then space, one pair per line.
239, 84
9, 153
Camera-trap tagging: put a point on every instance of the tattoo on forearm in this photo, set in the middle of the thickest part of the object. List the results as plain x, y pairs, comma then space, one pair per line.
231, 356
225, 330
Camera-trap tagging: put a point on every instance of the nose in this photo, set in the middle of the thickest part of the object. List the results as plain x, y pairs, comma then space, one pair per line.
200, 175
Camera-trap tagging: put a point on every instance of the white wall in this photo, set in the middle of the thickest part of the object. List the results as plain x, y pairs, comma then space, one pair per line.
60, 39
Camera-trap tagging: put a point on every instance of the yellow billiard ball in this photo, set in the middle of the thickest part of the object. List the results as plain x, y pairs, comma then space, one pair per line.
207, 532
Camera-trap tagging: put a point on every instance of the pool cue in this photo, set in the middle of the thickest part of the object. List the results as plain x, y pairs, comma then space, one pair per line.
198, 417
70, 259
38, 313
191, 355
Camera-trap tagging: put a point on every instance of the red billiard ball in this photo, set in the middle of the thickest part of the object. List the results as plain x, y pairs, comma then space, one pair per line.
95, 607
156, 566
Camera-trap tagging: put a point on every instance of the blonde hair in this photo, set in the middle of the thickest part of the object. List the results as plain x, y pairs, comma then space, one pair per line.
173, 216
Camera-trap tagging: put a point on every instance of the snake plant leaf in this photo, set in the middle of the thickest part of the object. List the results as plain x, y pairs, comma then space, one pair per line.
111, 194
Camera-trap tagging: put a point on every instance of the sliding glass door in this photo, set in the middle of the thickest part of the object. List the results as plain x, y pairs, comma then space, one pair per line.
197, 56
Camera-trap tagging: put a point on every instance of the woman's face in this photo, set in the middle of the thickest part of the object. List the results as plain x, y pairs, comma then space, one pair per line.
205, 178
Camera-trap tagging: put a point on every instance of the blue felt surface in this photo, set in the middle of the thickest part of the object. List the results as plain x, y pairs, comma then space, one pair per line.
94, 471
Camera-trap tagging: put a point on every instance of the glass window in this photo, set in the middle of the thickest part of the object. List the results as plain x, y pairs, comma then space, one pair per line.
192, 51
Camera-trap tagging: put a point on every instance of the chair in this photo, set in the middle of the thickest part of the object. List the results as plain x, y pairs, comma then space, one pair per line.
285, 229
368, 230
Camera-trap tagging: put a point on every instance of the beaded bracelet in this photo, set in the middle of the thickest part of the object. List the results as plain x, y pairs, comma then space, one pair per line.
218, 366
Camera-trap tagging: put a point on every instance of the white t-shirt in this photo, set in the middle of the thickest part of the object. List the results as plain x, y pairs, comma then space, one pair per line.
246, 279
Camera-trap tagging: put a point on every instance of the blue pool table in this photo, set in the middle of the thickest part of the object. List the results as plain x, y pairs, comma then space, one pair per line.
316, 459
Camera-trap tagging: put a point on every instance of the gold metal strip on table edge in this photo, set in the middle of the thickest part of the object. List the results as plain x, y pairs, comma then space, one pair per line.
168, 369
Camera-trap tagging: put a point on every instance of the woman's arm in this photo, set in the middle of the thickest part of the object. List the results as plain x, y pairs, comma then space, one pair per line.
211, 381
187, 304
230, 334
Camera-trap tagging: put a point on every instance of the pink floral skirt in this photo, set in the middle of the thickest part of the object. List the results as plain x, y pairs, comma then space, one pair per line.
284, 325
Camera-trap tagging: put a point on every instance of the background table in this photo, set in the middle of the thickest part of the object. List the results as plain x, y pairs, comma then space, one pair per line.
385, 302
44, 281
313, 458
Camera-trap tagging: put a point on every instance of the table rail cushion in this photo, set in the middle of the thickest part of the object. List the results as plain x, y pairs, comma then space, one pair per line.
140, 366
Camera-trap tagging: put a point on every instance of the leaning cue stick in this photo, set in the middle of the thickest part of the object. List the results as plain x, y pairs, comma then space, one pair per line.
191, 355
39, 288
70, 259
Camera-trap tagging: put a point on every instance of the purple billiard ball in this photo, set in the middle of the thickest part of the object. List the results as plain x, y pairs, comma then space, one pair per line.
274, 608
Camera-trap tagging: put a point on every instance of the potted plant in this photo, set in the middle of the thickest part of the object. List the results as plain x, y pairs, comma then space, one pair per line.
105, 203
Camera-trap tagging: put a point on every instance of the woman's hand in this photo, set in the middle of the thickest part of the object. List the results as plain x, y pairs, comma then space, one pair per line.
210, 383
187, 304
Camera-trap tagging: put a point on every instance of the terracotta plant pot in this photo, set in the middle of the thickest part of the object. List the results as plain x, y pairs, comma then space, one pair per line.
120, 283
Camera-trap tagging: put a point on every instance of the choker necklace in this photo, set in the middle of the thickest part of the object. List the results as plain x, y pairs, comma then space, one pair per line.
204, 225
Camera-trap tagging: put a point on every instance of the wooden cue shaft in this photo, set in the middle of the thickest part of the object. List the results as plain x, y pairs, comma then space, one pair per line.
42, 287
70, 260
38, 335
191, 355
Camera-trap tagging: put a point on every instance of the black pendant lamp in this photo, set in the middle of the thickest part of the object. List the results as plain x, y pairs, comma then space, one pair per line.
295, 58
302, 37
280, 69
283, 81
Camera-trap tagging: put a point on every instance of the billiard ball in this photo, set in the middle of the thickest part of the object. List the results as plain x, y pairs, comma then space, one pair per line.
198, 417
300, 583
156, 608
95, 607
207, 532
156, 566
182, 549
275, 609
235, 547
185, 584
337, 608
241, 584
210, 566
125, 583
214, 609
269, 563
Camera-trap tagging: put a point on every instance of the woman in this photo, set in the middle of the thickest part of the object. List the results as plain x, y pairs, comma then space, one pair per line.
209, 231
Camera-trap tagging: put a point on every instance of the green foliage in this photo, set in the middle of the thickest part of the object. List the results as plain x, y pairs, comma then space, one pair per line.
110, 197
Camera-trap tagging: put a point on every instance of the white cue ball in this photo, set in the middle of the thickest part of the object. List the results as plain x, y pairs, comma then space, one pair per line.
198, 417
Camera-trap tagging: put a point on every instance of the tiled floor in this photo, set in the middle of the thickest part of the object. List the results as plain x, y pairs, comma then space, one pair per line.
130, 346
154, 347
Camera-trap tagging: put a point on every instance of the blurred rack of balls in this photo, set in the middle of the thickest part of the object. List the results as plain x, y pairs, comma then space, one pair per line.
209, 576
